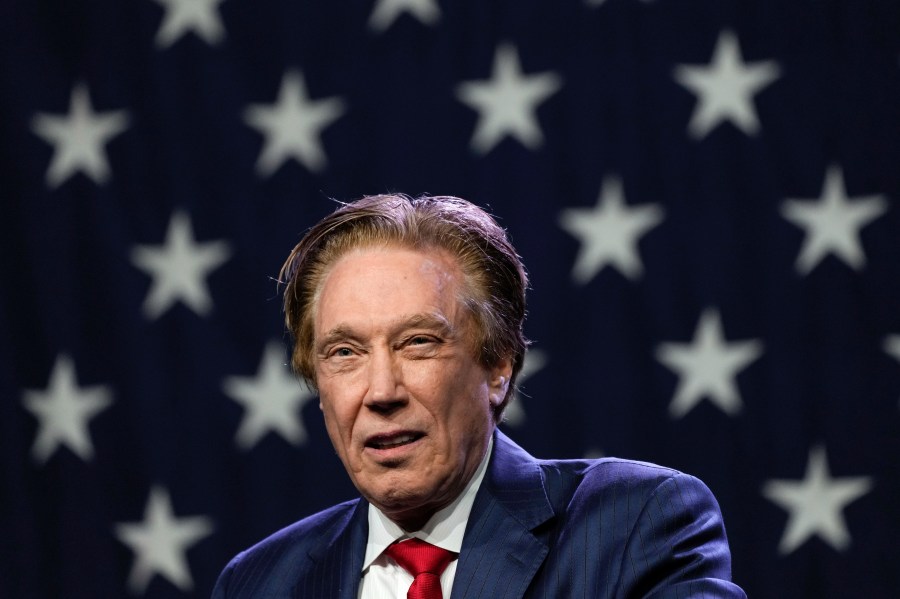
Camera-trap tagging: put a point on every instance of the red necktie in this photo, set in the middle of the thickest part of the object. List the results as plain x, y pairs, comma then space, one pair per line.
425, 562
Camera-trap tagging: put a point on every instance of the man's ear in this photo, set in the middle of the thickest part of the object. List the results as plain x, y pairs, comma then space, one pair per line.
499, 381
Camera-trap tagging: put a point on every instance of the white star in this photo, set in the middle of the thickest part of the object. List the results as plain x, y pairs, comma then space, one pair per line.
535, 360
708, 366
179, 268
507, 102
64, 410
161, 541
816, 503
725, 88
833, 223
293, 126
892, 346
386, 12
273, 400
609, 232
183, 16
79, 138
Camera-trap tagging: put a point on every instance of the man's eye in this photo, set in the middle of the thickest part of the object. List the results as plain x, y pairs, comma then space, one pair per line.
342, 352
420, 340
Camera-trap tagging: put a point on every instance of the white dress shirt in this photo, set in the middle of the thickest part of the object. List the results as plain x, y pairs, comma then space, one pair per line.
382, 577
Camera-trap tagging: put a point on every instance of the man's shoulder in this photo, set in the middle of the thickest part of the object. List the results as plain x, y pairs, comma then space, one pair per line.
273, 564
611, 478
601, 480
306, 531
610, 470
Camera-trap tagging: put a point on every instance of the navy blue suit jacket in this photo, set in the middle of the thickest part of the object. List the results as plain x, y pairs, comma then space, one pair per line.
538, 528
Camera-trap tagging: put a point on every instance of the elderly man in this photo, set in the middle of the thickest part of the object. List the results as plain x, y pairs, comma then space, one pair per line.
407, 318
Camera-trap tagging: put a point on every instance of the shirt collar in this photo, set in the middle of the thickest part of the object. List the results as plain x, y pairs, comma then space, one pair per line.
445, 528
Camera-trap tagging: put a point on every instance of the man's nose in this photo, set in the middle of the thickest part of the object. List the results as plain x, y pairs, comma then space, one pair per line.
385, 381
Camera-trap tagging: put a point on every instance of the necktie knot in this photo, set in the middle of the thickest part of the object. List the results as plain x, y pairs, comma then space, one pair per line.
425, 562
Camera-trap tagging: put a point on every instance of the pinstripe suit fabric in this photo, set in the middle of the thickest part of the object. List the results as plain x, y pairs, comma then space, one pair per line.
603, 528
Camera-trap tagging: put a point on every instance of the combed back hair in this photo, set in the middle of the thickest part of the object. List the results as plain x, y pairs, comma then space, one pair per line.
494, 279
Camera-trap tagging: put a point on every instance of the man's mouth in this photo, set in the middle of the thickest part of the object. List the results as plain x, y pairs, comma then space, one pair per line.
391, 441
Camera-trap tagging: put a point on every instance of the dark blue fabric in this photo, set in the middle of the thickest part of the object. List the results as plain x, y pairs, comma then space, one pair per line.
825, 377
605, 528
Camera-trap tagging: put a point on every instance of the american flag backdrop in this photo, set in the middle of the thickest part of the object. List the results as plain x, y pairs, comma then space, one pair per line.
705, 193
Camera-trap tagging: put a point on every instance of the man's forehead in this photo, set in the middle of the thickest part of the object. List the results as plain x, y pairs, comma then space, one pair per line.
428, 321
390, 266
390, 252
393, 284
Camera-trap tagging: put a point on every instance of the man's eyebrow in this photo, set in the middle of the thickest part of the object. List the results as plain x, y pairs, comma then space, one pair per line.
338, 333
431, 321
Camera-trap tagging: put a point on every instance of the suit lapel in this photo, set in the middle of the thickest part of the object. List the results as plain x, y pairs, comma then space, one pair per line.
335, 563
500, 552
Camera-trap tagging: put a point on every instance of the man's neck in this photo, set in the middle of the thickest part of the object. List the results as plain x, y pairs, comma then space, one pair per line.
445, 528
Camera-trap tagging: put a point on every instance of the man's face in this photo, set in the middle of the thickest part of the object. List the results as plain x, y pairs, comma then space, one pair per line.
408, 408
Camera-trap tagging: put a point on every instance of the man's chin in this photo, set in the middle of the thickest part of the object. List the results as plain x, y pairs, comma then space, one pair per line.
395, 497
409, 512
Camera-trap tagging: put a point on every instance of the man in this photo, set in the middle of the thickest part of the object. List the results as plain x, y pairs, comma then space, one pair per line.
407, 318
